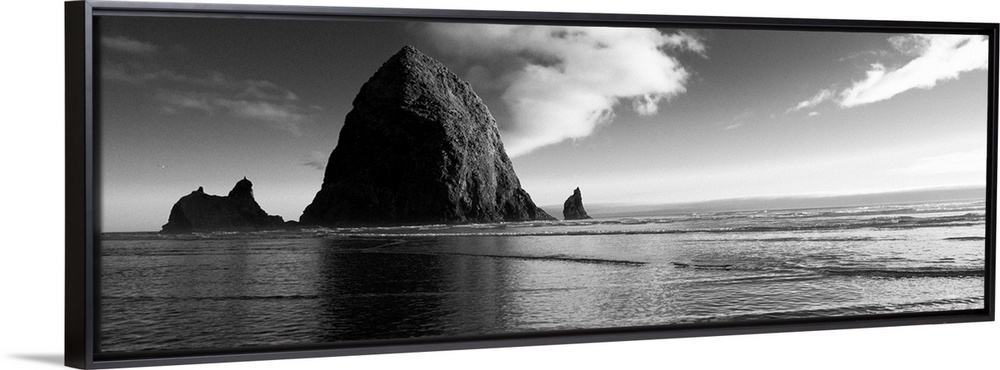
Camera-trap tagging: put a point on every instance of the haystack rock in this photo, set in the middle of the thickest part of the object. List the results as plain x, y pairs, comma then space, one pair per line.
573, 207
203, 212
418, 147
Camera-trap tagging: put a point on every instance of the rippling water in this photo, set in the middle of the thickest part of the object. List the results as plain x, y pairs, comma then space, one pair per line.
224, 290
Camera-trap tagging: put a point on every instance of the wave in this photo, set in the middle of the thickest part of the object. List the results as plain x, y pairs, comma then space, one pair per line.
555, 258
945, 304
368, 233
706, 266
896, 211
833, 212
966, 238
625, 226
862, 270
721, 230
808, 239
882, 217
905, 273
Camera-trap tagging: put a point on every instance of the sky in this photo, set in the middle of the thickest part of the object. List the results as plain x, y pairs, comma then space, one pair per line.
630, 115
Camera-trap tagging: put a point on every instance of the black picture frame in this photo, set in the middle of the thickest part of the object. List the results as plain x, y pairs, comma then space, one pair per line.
82, 262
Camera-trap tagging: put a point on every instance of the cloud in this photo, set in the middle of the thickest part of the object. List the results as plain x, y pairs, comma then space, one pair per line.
932, 59
215, 93
140, 73
813, 114
685, 41
128, 45
864, 55
266, 90
822, 96
174, 101
135, 74
281, 116
938, 58
560, 83
740, 119
317, 160
913, 45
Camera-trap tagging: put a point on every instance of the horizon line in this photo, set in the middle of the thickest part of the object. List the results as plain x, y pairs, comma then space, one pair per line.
806, 196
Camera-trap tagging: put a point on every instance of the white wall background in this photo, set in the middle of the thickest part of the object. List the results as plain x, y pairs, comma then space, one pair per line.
31, 214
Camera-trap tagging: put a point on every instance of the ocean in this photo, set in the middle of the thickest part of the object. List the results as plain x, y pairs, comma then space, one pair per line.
230, 290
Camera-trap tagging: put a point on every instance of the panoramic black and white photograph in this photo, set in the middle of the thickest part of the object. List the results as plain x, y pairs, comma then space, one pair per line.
269, 182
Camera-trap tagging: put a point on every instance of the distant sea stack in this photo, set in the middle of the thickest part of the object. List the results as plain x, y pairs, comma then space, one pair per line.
203, 212
573, 207
419, 146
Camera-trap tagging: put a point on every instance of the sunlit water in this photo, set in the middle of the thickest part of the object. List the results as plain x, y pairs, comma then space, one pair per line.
226, 290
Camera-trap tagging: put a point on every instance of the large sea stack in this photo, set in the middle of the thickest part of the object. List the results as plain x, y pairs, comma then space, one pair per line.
419, 146
573, 207
203, 212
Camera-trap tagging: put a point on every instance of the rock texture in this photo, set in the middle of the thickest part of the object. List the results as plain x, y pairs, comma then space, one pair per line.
419, 146
573, 207
203, 212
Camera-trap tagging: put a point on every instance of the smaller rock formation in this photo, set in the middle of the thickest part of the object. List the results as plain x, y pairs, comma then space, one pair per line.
237, 211
573, 207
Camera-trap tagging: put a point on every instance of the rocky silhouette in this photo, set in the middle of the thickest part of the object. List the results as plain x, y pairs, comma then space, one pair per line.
573, 207
203, 212
419, 146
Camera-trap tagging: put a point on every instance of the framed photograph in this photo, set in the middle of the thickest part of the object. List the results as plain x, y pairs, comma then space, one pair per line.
267, 182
